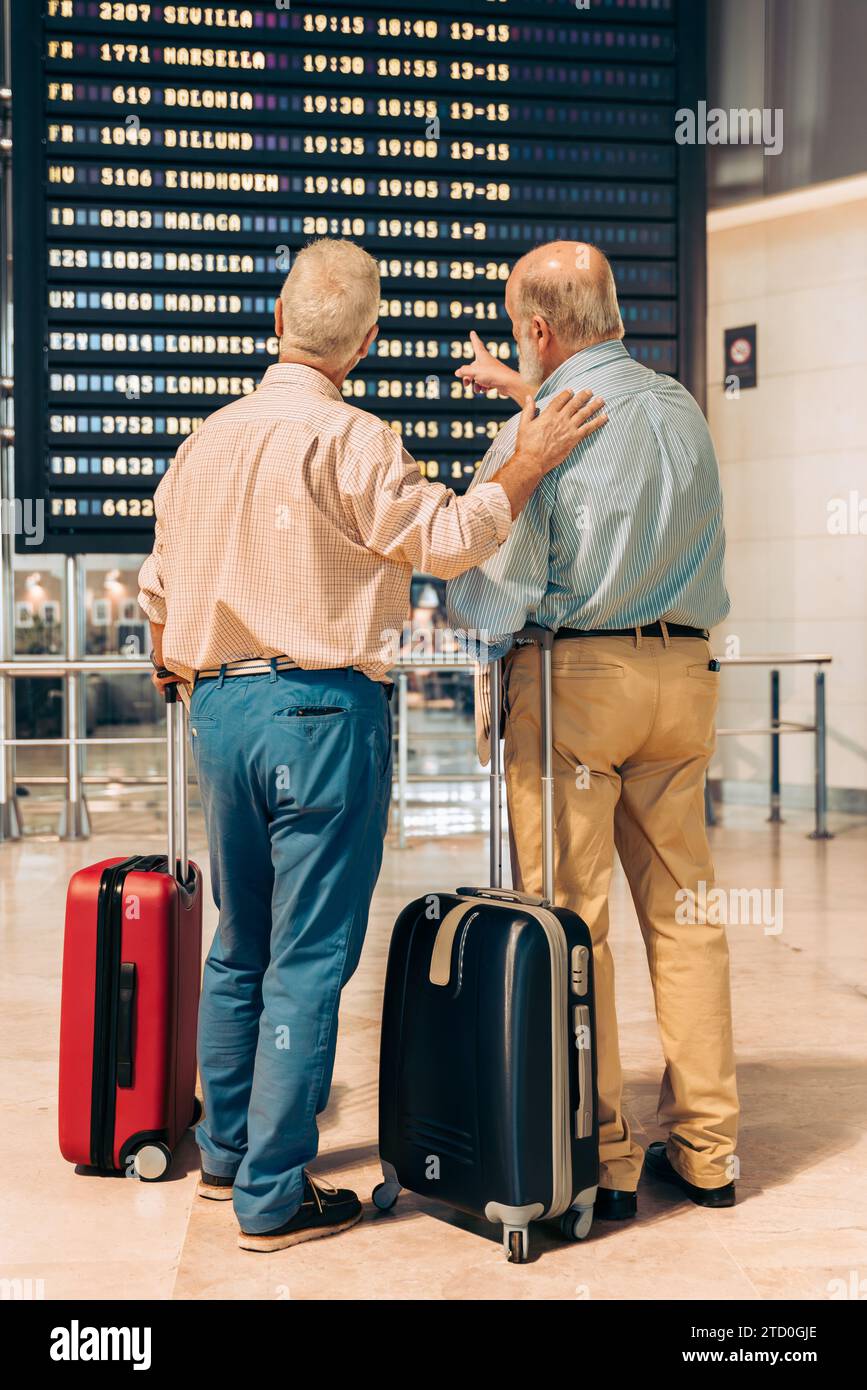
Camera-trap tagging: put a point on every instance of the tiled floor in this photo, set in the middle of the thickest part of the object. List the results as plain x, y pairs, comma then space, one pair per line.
801, 1028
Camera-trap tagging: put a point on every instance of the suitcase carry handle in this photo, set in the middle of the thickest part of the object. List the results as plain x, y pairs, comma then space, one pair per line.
502, 895
544, 637
125, 1015
176, 780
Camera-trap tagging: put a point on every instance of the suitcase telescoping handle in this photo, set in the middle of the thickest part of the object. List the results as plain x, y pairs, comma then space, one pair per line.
544, 638
176, 781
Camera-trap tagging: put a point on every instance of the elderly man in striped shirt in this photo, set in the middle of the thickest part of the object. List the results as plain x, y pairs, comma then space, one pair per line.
620, 553
287, 531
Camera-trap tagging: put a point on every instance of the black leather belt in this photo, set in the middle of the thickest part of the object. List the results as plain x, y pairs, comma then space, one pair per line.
646, 630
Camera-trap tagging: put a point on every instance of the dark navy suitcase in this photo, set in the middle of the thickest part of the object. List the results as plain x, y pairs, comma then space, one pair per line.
487, 1082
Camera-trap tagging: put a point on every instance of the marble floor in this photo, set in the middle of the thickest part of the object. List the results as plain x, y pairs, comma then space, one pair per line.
800, 1000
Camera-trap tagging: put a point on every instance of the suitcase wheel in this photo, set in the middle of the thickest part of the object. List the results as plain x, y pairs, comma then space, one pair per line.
151, 1162
576, 1222
198, 1112
384, 1195
517, 1243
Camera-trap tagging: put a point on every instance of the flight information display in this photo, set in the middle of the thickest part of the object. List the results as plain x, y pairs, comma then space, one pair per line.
170, 160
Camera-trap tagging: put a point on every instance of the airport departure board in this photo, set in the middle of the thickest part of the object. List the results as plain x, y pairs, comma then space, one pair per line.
169, 160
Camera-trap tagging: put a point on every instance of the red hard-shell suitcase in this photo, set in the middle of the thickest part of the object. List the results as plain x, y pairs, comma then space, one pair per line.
131, 975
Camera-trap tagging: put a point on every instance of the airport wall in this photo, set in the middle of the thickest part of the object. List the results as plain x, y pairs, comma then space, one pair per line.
793, 456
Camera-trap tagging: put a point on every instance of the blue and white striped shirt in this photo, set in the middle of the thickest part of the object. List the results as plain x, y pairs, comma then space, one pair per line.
627, 530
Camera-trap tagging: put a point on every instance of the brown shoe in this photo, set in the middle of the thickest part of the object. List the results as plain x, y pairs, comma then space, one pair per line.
324, 1211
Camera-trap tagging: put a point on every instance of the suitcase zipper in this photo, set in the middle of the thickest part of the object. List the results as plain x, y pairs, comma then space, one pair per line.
109, 927
561, 1147
102, 1016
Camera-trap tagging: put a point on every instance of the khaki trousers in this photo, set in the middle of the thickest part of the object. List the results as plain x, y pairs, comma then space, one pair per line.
633, 734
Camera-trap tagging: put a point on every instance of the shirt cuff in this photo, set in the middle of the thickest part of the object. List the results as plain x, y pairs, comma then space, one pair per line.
154, 605
498, 507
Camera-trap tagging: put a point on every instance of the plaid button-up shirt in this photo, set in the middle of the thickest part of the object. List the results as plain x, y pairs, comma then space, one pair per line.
290, 523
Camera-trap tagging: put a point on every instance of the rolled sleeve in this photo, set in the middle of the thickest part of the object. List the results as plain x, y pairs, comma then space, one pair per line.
151, 576
499, 506
152, 593
152, 599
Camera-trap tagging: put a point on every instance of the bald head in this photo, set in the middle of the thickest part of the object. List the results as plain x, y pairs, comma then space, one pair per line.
561, 297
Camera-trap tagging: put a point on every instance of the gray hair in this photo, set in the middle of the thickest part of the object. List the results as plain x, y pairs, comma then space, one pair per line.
330, 300
581, 309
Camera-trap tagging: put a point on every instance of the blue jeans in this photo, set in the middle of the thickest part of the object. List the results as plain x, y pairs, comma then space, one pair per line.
296, 808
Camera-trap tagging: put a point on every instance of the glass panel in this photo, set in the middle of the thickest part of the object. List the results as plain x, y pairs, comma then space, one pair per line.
114, 623
120, 706
39, 631
447, 790
115, 705
38, 605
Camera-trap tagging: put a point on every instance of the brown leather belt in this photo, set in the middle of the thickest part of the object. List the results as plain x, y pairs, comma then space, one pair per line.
646, 630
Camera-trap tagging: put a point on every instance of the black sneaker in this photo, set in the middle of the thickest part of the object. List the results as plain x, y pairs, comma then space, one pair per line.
324, 1211
215, 1188
659, 1166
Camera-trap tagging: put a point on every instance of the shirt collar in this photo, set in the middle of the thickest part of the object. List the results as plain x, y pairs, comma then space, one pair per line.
300, 378
599, 355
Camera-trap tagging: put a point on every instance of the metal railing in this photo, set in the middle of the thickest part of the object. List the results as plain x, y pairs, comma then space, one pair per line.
74, 821
777, 728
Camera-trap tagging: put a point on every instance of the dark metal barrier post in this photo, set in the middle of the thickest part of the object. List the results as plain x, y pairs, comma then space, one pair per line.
775, 815
821, 831
709, 816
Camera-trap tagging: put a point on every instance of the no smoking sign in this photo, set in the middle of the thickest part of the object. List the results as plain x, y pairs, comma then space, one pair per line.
740, 357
